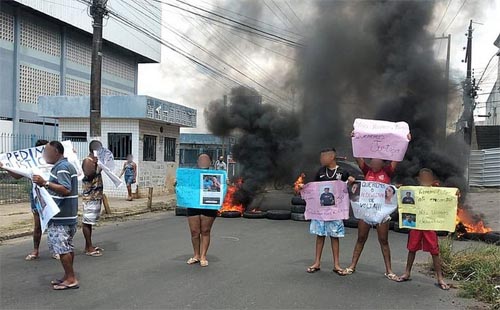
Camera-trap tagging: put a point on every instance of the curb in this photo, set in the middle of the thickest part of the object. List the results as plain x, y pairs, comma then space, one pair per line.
158, 207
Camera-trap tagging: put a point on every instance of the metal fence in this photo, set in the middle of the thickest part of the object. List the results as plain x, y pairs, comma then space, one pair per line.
12, 190
484, 168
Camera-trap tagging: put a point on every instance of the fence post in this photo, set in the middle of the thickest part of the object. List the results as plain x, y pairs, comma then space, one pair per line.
105, 202
150, 198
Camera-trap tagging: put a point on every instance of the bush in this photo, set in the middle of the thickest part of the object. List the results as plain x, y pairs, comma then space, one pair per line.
476, 267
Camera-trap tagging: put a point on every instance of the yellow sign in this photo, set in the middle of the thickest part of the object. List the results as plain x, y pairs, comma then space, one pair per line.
427, 208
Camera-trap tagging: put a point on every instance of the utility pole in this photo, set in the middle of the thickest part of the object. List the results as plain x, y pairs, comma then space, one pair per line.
465, 124
97, 11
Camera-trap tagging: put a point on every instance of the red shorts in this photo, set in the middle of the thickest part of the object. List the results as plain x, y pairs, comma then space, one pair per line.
425, 240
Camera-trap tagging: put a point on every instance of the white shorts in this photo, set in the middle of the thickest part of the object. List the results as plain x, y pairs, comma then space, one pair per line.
91, 211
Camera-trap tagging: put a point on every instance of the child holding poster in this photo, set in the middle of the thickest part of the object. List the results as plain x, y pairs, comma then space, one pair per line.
377, 171
425, 240
329, 171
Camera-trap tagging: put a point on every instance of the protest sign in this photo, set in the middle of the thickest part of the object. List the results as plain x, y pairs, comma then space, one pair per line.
24, 161
201, 188
427, 208
380, 139
326, 201
106, 161
372, 202
45, 205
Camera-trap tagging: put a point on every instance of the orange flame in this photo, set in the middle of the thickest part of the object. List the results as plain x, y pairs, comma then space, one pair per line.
471, 225
299, 183
228, 204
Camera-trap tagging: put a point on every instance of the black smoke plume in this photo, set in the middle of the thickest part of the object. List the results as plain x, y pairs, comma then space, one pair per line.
375, 59
266, 139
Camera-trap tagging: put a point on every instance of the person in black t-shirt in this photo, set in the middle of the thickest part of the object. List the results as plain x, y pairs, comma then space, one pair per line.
329, 171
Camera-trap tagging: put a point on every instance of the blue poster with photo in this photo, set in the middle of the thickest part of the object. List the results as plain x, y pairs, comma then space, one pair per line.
201, 188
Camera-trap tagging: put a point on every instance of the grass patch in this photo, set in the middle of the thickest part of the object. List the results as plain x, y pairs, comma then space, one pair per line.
476, 267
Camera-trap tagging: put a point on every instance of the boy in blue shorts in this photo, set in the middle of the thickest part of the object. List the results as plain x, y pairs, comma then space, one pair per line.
329, 171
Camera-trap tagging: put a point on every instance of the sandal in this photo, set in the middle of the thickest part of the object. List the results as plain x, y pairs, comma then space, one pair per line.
63, 287
192, 261
313, 269
443, 286
94, 253
31, 257
204, 263
392, 276
347, 272
337, 271
56, 282
403, 279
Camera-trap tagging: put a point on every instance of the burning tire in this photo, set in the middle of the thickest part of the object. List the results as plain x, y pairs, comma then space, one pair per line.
298, 201
230, 214
400, 230
255, 215
351, 223
180, 211
279, 215
298, 217
492, 237
298, 209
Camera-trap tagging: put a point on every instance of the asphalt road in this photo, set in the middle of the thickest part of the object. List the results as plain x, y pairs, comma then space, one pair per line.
254, 264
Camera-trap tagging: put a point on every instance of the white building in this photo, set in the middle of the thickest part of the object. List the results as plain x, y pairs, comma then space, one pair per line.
143, 126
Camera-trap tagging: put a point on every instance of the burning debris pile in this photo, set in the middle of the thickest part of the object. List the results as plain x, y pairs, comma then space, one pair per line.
229, 205
267, 139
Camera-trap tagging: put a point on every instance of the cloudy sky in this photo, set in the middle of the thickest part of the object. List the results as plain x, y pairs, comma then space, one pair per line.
264, 64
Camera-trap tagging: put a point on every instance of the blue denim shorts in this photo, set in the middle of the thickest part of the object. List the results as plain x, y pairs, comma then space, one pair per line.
129, 179
327, 228
60, 238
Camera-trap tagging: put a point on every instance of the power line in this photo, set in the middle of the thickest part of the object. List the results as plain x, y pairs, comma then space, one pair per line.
442, 17
460, 9
207, 51
247, 28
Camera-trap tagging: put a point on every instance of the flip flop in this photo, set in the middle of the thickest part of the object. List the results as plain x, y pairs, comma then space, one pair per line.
403, 279
63, 287
338, 271
204, 263
347, 272
392, 276
443, 286
192, 261
94, 253
313, 269
31, 257
56, 282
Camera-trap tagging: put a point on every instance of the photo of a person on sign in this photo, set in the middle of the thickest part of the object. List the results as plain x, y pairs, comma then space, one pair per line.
327, 198
408, 198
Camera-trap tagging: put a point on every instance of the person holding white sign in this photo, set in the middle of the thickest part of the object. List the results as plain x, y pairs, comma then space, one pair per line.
37, 227
376, 171
63, 188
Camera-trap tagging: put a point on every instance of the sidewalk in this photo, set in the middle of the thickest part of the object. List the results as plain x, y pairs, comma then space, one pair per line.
16, 220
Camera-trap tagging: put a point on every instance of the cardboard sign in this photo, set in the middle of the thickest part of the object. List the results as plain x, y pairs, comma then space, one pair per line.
326, 201
372, 202
200, 188
427, 208
380, 139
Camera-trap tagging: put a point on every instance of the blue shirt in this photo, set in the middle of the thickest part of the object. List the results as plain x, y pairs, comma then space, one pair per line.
409, 223
64, 173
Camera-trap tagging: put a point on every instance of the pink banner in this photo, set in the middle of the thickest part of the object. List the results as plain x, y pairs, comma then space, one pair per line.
380, 139
326, 201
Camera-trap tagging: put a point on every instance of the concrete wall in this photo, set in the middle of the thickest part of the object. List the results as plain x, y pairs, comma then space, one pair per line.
159, 174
